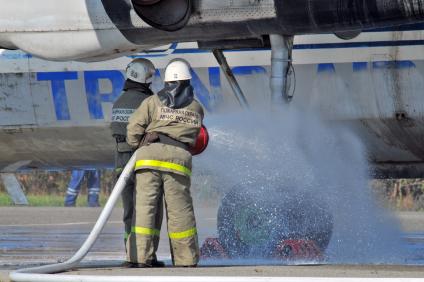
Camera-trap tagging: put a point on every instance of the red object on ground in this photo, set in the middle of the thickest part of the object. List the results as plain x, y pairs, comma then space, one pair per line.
201, 143
298, 250
212, 249
287, 250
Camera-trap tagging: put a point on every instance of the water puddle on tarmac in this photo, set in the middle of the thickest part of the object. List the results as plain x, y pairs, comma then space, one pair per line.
414, 243
25, 246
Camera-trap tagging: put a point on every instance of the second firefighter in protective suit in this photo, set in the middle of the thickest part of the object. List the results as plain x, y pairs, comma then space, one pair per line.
139, 74
164, 128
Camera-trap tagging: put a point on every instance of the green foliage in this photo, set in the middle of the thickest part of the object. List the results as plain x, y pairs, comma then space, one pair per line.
48, 188
2, 188
400, 194
5, 200
45, 188
56, 182
49, 200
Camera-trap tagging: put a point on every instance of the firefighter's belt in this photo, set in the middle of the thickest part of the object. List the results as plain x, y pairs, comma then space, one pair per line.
164, 139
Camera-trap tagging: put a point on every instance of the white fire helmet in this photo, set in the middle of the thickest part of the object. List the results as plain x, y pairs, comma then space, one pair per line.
177, 69
141, 71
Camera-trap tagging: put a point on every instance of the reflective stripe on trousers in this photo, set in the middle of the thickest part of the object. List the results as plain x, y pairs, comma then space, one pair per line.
156, 232
184, 234
160, 164
145, 231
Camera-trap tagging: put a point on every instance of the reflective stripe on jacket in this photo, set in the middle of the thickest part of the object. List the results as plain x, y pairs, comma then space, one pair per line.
164, 157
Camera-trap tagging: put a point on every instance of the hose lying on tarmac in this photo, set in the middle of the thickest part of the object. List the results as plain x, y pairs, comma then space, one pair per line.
43, 273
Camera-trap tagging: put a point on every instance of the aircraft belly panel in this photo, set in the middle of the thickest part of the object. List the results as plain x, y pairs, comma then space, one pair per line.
60, 148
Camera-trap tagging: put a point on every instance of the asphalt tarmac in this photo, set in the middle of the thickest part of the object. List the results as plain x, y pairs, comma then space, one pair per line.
34, 236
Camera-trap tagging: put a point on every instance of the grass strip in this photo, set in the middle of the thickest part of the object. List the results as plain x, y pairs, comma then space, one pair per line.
49, 200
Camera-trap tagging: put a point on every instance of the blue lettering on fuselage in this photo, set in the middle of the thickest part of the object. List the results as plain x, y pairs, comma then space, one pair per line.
94, 96
202, 93
215, 96
363, 66
210, 97
58, 88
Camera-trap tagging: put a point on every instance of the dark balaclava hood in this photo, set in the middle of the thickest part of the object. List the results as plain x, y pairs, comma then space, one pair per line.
142, 87
176, 94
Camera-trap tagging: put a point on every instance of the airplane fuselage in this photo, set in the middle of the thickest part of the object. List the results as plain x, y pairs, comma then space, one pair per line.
56, 115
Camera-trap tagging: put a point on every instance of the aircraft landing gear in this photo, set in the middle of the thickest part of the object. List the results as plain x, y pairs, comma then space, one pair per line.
283, 78
282, 71
14, 189
238, 93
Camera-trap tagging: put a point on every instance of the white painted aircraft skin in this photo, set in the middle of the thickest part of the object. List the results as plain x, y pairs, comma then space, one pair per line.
85, 30
50, 113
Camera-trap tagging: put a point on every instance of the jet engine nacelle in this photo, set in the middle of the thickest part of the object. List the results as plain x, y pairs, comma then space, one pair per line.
164, 14
318, 16
94, 30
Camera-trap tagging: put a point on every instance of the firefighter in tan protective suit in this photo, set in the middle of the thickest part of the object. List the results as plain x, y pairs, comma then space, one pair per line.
139, 75
163, 129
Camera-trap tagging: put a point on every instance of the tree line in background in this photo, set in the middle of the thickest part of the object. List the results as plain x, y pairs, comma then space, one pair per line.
399, 194
56, 182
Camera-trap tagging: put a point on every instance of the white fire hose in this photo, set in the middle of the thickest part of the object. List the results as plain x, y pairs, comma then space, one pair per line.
43, 273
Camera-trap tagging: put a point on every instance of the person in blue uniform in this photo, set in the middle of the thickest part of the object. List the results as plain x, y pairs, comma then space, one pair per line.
75, 184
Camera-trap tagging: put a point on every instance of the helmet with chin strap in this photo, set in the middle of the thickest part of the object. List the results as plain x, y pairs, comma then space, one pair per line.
141, 71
